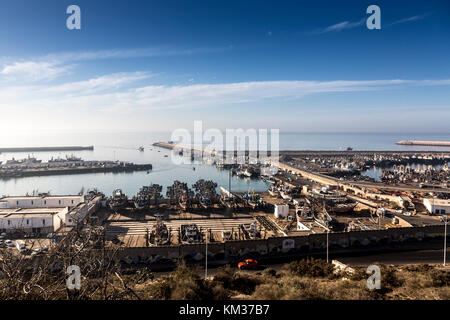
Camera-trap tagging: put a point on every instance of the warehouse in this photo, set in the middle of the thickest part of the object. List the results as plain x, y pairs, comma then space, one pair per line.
437, 206
42, 214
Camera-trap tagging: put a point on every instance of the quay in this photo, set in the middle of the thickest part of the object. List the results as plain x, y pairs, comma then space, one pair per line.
46, 149
29, 172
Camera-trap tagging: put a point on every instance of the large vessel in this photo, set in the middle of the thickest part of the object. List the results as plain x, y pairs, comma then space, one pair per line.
25, 161
118, 201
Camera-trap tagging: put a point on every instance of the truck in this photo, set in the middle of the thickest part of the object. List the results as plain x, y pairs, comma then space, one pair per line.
20, 245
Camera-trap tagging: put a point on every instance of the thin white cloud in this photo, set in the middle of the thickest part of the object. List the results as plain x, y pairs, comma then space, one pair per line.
340, 26
51, 66
98, 84
410, 19
33, 71
95, 94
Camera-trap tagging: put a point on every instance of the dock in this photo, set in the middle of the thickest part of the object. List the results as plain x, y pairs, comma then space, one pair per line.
30, 172
46, 149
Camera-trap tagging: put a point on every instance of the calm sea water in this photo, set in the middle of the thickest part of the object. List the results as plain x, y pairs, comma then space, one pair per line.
124, 146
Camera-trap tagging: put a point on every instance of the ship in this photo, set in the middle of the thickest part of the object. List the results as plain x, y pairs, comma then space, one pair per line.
70, 158
190, 234
343, 207
205, 202
253, 200
25, 161
118, 201
142, 199
251, 231
324, 219
159, 234
226, 198
206, 192
141, 148
183, 200
273, 192
285, 193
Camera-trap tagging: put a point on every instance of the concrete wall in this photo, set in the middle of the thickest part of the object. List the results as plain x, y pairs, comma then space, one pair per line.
282, 245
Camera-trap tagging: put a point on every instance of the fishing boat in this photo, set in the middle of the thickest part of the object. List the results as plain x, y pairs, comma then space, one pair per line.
205, 202
190, 234
323, 218
159, 234
273, 192
226, 198
118, 201
252, 199
206, 192
183, 201
343, 207
285, 193
142, 199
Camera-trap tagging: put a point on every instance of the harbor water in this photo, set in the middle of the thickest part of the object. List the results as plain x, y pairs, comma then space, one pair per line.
124, 147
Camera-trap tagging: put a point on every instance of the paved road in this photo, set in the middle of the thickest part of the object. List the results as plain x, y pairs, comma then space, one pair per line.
399, 258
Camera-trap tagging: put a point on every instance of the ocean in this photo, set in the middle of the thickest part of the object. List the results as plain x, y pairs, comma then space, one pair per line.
124, 147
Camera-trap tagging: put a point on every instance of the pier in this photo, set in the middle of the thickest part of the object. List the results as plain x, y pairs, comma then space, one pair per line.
46, 149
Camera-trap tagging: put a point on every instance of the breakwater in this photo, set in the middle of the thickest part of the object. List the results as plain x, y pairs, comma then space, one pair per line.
424, 143
45, 149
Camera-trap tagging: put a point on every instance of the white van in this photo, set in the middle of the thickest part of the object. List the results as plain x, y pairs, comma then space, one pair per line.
20, 245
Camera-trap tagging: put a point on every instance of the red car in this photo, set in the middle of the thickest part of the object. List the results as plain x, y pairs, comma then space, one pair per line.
248, 264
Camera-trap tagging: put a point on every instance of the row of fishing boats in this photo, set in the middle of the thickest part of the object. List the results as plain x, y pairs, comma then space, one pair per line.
202, 195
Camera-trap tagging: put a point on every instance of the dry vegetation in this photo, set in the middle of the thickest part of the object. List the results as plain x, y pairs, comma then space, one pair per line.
45, 278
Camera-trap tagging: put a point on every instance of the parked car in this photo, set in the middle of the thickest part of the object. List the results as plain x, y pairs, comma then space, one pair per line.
248, 264
36, 252
9, 243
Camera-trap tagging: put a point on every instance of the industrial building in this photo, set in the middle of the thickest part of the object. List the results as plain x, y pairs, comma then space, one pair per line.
437, 206
43, 214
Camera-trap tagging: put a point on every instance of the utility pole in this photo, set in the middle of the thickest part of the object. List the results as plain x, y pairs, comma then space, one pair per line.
229, 182
327, 244
445, 240
206, 255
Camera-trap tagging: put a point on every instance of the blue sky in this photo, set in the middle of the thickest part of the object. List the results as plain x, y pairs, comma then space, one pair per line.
308, 66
